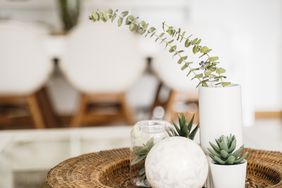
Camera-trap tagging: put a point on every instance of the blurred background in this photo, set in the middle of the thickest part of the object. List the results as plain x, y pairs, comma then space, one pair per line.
70, 86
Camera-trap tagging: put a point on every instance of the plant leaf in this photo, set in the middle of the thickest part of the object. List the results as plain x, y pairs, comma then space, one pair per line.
193, 133
187, 43
172, 49
216, 148
124, 13
224, 84
120, 20
191, 123
205, 50
213, 58
220, 70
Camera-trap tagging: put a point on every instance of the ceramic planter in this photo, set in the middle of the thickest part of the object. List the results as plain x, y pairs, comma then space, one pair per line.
220, 113
228, 176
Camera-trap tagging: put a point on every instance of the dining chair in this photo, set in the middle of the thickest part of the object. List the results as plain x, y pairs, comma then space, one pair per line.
24, 68
181, 89
102, 62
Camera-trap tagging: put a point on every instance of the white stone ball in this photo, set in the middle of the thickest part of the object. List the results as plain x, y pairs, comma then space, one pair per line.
176, 162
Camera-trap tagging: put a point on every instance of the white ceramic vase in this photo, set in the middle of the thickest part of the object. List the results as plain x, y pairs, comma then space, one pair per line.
220, 113
228, 176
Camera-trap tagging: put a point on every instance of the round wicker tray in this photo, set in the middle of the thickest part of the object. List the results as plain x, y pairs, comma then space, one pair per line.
110, 169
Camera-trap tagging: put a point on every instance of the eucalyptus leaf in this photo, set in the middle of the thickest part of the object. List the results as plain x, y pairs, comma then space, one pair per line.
181, 59
187, 43
172, 49
120, 20
220, 70
213, 58
132, 27
151, 29
225, 84
129, 20
94, 16
114, 16
124, 13
182, 36
194, 41
195, 49
198, 76
205, 50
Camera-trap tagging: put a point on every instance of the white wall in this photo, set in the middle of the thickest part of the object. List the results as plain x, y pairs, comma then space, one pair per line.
247, 37
43, 12
246, 34
259, 22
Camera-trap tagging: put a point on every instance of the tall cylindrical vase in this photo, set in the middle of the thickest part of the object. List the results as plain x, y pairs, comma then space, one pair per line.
220, 113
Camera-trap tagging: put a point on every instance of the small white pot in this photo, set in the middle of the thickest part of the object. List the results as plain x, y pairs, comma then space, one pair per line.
220, 113
228, 176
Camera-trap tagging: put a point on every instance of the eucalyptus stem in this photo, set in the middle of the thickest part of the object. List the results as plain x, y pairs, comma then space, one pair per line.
207, 73
185, 62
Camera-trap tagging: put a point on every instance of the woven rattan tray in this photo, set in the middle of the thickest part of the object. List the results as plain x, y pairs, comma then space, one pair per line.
110, 169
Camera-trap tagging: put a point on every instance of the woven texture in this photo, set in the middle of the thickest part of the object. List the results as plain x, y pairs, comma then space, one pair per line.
110, 169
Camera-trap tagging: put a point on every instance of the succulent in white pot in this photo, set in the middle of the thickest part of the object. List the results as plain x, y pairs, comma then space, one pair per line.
228, 165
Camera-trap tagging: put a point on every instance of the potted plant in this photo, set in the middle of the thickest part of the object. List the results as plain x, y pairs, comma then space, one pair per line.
227, 165
219, 100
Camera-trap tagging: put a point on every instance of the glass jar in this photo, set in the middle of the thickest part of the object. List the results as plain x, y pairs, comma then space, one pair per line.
144, 135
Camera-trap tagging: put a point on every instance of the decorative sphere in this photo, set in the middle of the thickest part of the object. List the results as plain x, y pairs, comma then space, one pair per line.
176, 162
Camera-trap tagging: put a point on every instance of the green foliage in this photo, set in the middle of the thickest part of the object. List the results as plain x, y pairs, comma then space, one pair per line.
184, 128
139, 156
69, 14
141, 152
223, 151
206, 72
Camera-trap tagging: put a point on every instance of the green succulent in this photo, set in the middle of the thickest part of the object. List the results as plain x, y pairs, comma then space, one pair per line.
224, 153
141, 152
139, 156
184, 128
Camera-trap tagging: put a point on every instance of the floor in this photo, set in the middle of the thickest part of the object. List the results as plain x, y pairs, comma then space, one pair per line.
26, 156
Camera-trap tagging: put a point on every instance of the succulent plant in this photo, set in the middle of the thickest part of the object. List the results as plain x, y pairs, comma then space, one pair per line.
224, 153
141, 152
184, 128
139, 155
